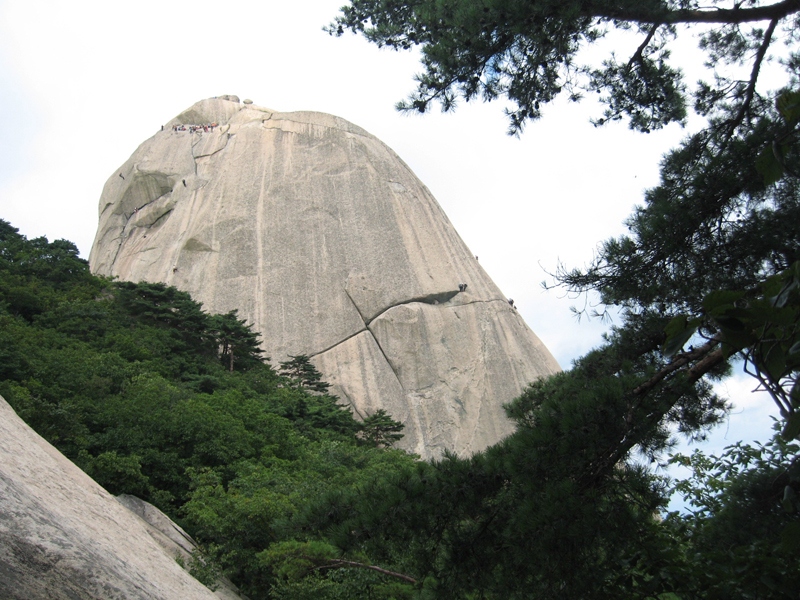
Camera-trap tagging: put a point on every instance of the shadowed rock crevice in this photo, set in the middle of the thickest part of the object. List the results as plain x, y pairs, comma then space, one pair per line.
162, 216
434, 299
151, 213
145, 188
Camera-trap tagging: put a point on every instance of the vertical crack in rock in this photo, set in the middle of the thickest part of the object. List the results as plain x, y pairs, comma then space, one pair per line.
263, 192
358, 310
388, 362
119, 248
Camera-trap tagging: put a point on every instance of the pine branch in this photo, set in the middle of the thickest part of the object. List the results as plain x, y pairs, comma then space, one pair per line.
772, 12
751, 85
703, 353
637, 56
707, 357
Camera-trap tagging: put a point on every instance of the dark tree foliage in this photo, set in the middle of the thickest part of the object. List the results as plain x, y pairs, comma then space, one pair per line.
316, 404
237, 342
34, 272
380, 430
302, 374
704, 248
531, 51
169, 308
744, 522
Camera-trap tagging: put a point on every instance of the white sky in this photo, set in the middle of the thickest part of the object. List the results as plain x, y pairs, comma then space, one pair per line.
83, 83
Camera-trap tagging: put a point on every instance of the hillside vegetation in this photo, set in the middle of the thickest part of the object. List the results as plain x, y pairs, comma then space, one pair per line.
293, 498
152, 396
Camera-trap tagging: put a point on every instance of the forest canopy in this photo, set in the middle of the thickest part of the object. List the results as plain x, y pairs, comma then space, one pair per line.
154, 397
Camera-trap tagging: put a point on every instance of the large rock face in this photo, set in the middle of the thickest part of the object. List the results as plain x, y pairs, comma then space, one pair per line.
326, 241
63, 537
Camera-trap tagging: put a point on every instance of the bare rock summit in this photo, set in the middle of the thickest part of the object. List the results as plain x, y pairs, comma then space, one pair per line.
325, 240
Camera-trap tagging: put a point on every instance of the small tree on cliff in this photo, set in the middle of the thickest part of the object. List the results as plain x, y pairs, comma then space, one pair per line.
238, 343
303, 375
380, 430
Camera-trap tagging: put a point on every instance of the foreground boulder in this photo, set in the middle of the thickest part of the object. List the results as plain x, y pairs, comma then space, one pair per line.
327, 242
63, 537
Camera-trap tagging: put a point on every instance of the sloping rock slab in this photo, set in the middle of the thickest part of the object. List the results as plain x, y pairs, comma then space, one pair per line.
174, 540
63, 537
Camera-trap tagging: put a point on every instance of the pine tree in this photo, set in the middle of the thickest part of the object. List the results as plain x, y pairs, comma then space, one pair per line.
237, 342
303, 375
380, 430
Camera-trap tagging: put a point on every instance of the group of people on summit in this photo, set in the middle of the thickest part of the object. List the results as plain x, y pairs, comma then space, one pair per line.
206, 127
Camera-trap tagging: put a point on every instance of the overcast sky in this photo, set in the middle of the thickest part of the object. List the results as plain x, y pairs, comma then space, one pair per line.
83, 83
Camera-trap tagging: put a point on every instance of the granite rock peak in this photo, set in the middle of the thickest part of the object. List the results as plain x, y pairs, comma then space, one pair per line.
324, 239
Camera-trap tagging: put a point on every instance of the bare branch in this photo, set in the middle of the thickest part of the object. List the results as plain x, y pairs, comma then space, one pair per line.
694, 373
335, 563
751, 86
637, 56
